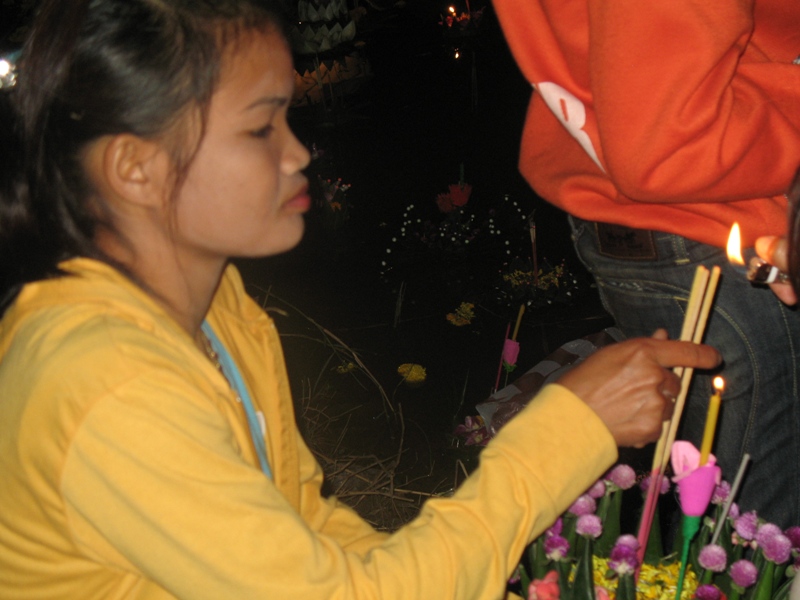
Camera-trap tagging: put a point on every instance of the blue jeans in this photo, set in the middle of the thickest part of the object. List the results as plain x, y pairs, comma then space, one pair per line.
759, 339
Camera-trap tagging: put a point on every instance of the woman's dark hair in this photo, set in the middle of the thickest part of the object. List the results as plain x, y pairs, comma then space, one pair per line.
92, 68
794, 232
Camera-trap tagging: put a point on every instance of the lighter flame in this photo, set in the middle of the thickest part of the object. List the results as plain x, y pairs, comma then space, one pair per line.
735, 245
719, 384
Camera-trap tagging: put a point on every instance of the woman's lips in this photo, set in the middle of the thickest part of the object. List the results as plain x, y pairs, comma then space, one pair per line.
300, 202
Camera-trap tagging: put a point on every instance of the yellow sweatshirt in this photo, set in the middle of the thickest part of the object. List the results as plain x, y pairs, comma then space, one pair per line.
128, 470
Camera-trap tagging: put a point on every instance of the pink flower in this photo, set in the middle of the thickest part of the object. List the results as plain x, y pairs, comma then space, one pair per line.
743, 573
721, 493
623, 559
545, 589
556, 547
708, 592
628, 540
793, 533
584, 505
695, 483
622, 476
746, 525
645, 484
598, 490
767, 531
589, 526
713, 558
510, 352
556, 528
474, 430
775, 546
600, 593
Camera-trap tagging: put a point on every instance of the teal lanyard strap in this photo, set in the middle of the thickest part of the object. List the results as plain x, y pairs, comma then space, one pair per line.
236, 381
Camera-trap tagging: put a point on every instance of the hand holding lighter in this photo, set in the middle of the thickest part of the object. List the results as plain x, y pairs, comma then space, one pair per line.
761, 272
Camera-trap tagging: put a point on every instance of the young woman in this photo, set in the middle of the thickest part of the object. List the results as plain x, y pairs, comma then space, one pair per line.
148, 447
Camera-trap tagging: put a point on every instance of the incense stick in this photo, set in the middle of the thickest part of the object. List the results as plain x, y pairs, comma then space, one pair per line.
690, 319
500, 366
697, 312
697, 337
734, 490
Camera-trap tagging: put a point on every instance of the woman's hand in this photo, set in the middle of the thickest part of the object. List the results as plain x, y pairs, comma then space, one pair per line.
775, 251
631, 387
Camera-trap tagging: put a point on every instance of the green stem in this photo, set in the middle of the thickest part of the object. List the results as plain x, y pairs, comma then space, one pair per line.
689, 528
583, 588
626, 588
612, 507
763, 589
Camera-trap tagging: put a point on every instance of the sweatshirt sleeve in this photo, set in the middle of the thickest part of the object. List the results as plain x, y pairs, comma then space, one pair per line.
154, 486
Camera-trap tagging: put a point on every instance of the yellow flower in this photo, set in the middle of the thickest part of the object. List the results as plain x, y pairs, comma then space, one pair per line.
463, 314
412, 373
544, 281
655, 582
345, 368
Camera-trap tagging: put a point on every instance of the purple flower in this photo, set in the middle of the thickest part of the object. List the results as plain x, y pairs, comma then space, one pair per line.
733, 512
589, 525
474, 430
622, 476
766, 532
721, 493
645, 484
623, 559
713, 558
598, 490
793, 533
628, 540
776, 548
556, 547
584, 505
707, 592
746, 525
743, 573
773, 543
555, 528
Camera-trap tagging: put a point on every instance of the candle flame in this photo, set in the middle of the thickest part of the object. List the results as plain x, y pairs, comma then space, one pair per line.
719, 384
452, 10
735, 245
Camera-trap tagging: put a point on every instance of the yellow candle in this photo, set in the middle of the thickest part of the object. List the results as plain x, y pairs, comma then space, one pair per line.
711, 420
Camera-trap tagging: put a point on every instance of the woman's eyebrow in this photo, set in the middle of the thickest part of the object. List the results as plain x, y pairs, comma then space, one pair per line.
268, 100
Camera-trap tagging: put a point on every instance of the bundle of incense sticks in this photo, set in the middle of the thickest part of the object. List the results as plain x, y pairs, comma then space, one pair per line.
701, 299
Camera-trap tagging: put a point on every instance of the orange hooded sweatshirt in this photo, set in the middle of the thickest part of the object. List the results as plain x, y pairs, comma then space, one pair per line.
680, 116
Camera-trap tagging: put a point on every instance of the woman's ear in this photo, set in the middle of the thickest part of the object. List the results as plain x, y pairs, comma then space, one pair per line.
130, 171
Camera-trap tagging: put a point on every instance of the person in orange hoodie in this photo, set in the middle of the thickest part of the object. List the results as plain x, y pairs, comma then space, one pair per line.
656, 126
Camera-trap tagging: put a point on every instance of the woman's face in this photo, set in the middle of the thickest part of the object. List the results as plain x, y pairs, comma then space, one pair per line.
244, 193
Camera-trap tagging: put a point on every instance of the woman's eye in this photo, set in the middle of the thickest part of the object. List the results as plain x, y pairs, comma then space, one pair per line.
262, 132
